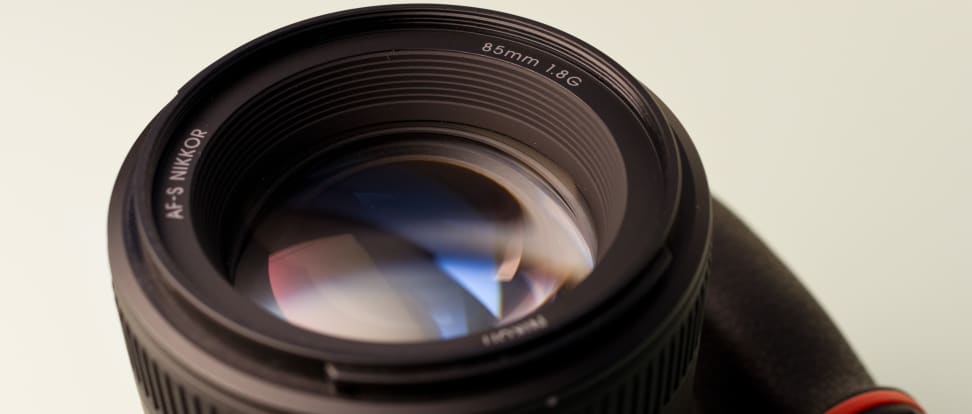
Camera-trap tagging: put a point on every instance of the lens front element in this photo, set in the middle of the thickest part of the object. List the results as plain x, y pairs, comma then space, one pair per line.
413, 247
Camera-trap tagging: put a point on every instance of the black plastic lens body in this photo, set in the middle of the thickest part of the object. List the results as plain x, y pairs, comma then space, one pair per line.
412, 209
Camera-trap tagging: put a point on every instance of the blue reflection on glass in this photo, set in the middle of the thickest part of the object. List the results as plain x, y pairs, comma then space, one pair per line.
478, 276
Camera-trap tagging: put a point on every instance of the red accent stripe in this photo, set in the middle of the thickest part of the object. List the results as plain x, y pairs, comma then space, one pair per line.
873, 399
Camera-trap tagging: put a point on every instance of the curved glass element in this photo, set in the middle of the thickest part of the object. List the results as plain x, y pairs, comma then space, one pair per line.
414, 248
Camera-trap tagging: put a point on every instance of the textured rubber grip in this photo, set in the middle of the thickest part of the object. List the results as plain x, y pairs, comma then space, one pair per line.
767, 346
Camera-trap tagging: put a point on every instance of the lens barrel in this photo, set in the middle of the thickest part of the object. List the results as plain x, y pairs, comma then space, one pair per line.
412, 209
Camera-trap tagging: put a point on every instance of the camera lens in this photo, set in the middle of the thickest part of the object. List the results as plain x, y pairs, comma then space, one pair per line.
412, 209
420, 242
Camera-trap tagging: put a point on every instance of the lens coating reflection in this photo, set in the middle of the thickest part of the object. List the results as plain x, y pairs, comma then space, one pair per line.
415, 248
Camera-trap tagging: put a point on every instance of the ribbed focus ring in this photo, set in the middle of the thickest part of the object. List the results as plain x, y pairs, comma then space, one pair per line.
652, 381
647, 386
161, 391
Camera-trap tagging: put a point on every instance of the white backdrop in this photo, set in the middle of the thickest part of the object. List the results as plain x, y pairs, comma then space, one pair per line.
841, 130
